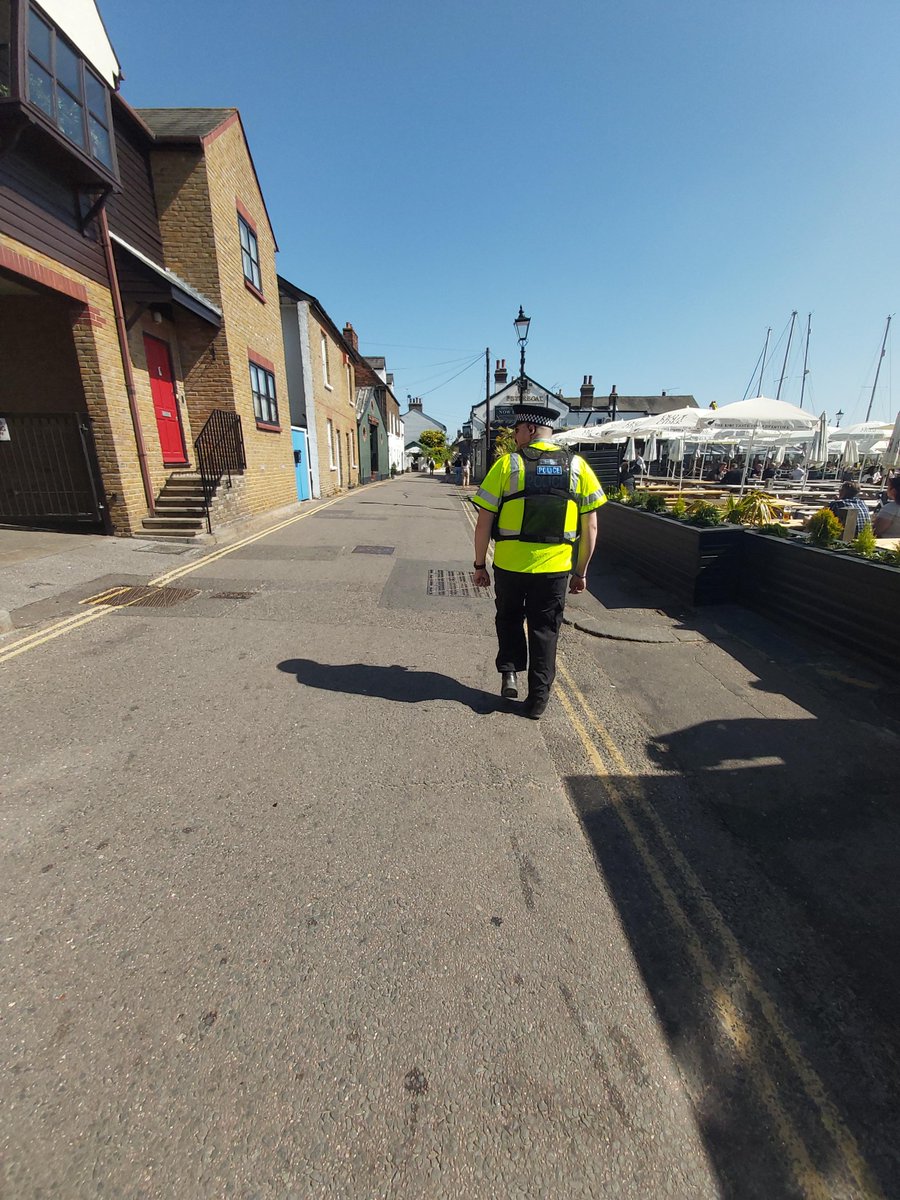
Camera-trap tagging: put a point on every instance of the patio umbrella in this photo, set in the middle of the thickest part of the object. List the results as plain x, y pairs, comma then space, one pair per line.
628, 454
676, 420
778, 457
817, 455
850, 453
759, 414
650, 451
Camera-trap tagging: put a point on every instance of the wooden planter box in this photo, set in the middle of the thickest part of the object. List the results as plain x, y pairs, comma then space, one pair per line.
840, 597
699, 565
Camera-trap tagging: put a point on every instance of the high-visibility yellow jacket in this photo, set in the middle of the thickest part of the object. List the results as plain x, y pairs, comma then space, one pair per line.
504, 492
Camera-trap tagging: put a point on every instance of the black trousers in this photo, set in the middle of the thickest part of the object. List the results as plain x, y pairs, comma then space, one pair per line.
539, 600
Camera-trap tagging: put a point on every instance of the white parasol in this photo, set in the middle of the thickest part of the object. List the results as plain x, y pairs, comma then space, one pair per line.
817, 455
759, 414
651, 451
850, 454
628, 453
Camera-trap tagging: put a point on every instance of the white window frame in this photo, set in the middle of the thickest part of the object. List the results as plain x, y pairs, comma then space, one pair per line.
326, 373
330, 430
352, 440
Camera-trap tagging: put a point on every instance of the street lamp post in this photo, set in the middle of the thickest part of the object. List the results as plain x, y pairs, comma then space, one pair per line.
521, 324
837, 416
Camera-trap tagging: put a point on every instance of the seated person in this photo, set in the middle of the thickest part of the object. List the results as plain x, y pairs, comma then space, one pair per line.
732, 475
797, 473
769, 470
848, 497
886, 522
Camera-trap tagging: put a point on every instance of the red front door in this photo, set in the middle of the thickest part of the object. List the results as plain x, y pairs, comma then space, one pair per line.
165, 402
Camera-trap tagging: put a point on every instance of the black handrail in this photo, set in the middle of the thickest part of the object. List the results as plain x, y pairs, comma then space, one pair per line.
219, 451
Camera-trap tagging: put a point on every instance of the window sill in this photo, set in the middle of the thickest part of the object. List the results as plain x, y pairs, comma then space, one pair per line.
254, 290
265, 427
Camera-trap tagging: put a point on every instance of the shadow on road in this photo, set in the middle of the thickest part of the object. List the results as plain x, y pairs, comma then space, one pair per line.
402, 685
720, 950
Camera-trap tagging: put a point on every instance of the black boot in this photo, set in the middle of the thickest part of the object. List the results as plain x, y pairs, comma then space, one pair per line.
535, 707
509, 685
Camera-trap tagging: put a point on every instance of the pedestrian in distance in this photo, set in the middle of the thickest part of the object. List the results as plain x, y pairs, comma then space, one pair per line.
431, 466
466, 471
539, 505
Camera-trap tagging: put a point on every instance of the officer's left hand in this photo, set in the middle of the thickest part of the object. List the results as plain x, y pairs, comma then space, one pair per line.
577, 583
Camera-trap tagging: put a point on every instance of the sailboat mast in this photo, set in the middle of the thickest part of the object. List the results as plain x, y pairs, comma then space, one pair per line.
878, 368
805, 358
762, 365
787, 351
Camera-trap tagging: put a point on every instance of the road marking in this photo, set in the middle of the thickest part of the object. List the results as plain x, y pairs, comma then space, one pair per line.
77, 620
735, 1028
102, 597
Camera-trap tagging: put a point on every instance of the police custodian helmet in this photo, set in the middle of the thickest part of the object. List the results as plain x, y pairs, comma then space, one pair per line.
534, 414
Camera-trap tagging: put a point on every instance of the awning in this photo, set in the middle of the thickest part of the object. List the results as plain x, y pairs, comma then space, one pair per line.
146, 281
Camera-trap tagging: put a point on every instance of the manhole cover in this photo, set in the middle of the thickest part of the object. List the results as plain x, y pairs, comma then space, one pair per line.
141, 597
373, 549
454, 583
231, 595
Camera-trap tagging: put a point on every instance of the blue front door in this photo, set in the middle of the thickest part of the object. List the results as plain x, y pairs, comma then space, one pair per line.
301, 462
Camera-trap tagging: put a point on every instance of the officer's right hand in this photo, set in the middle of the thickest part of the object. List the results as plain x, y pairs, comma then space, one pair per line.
481, 578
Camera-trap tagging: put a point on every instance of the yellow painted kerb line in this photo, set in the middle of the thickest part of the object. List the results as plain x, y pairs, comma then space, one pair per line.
78, 620
808, 1177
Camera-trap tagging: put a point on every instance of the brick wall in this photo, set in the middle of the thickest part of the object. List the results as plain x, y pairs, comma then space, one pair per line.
199, 193
252, 324
335, 401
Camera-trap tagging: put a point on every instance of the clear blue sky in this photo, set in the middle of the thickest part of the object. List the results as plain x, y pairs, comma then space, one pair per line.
656, 182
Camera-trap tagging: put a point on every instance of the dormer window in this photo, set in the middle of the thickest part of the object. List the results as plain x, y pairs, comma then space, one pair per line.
66, 90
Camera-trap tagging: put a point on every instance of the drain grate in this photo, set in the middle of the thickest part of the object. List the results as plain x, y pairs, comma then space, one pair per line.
141, 597
232, 595
455, 583
373, 549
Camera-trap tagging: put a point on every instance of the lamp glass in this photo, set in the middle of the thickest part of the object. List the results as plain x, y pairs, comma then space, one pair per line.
521, 323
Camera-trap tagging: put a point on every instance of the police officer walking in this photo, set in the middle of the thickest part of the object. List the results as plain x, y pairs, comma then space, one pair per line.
539, 506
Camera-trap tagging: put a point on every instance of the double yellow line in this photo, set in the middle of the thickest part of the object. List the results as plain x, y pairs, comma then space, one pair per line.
78, 620
626, 795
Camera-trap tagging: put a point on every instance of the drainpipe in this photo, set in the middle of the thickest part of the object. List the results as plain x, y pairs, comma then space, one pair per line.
122, 335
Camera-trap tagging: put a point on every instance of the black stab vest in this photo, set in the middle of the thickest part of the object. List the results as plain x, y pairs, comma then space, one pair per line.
547, 491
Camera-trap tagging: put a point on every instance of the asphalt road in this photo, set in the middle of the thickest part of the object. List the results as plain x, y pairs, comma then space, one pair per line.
295, 906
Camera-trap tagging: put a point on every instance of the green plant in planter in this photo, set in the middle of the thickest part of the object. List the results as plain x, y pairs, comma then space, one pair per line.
622, 494
640, 498
703, 513
864, 543
679, 508
733, 511
656, 502
774, 530
824, 528
760, 508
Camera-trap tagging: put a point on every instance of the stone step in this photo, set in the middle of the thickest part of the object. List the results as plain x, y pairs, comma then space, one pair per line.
179, 536
174, 523
175, 505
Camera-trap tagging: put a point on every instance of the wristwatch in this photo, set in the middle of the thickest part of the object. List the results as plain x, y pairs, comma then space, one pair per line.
479, 566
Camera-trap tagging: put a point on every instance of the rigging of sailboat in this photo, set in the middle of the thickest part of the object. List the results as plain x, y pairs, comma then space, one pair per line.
878, 368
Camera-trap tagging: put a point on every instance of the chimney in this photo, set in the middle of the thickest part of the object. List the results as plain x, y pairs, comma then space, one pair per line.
415, 402
587, 392
350, 337
500, 374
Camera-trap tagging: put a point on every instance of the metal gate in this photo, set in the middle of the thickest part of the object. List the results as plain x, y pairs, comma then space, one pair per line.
48, 470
